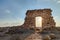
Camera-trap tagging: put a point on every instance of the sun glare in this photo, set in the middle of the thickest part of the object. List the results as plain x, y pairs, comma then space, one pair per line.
38, 21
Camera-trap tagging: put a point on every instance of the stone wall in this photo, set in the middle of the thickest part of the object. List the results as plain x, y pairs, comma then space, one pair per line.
47, 18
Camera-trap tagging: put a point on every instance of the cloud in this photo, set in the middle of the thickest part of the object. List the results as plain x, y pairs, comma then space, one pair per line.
42, 0
14, 22
53, 0
57, 20
55, 17
58, 1
7, 11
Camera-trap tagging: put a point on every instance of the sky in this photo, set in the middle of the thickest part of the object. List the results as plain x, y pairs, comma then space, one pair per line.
12, 12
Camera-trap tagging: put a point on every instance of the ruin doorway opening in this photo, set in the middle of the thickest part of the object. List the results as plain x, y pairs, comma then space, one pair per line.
38, 21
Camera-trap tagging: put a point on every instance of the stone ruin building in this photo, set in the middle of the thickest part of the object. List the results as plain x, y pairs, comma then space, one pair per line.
44, 14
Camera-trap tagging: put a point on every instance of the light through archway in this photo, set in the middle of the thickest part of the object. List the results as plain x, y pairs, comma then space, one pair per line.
38, 21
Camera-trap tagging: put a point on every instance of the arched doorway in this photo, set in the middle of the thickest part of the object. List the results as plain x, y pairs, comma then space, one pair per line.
38, 21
